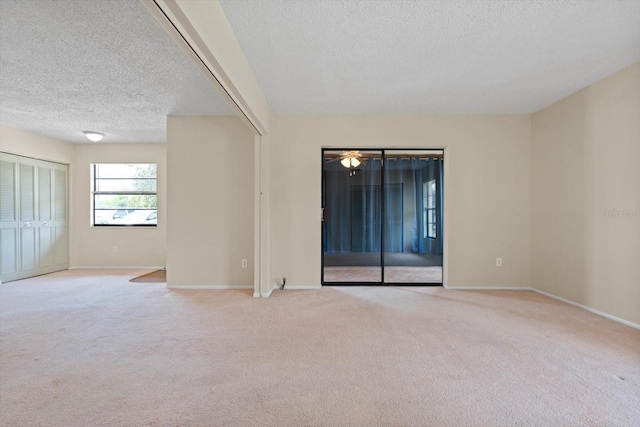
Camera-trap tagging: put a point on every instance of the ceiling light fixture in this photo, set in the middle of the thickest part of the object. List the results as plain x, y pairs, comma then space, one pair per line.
350, 159
93, 136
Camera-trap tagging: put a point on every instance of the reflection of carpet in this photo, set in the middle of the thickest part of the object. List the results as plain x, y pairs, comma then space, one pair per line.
372, 259
158, 276
373, 275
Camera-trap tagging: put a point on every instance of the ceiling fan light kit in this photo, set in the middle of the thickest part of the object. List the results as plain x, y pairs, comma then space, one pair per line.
350, 159
350, 162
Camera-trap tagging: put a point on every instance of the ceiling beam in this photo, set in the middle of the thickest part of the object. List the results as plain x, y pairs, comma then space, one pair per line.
201, 29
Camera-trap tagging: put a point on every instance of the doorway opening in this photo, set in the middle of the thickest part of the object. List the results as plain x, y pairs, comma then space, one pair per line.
382, 217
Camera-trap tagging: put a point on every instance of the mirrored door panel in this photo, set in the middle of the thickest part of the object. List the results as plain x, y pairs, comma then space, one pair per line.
412, 226
352, 216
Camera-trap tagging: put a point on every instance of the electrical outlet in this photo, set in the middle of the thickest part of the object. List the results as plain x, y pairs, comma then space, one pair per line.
245, 263
498, 262
115, 249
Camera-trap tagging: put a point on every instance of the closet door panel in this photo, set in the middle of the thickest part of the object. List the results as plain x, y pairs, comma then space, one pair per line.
28, 266
60, 217
9, 242
28, 205
45, 250
9, 254
45, 218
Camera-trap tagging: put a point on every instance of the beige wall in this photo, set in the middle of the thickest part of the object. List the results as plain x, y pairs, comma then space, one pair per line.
586, 196
487, 190
211, 210
23, 143
93, 246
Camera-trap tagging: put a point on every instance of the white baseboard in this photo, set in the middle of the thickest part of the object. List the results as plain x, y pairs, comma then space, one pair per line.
300, 288
488, 288
575, 304
584, 307
117, 268
211, 287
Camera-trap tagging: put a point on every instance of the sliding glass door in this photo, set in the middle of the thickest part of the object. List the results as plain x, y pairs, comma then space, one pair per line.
382, 217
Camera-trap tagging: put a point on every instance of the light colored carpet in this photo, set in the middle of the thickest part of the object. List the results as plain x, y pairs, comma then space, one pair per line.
85, 348
158, 276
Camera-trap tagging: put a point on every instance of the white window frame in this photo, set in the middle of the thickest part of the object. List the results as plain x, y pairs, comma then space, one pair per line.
429, 209
95, 193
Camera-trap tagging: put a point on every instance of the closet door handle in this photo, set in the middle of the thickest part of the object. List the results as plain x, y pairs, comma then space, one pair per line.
28, 224
45, 223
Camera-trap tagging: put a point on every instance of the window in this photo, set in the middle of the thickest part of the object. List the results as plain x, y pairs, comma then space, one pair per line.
125, 194
429, 203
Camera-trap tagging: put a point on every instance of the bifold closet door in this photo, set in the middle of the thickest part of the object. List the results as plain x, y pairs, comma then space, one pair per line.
33, 217
9, 246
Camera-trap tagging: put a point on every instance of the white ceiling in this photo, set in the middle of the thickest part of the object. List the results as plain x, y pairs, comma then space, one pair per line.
431, 57
107, 65
73, 65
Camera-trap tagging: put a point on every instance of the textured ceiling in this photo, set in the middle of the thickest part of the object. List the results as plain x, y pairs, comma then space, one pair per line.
104, 65
431, 57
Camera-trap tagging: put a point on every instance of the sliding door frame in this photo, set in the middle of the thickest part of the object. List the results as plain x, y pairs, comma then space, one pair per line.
382, 281
322, 204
